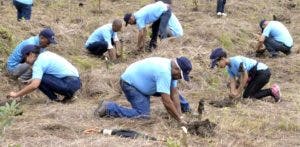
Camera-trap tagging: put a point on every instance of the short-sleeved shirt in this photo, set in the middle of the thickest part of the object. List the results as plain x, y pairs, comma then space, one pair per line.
175, 26
233, 67
104, 33
16, 56
149, 14
27, 2
151, 75
279, 32
52, 64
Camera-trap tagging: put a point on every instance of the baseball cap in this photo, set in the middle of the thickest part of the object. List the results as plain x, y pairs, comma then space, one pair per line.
186, 66
127, 18
28, 49
49, 34
261, 24
215, 55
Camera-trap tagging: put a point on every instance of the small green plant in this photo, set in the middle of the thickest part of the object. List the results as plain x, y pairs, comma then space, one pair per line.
172, 142
6, 41
6, 113
226, 41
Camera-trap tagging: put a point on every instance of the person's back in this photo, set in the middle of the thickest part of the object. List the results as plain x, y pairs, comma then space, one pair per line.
53, 64
175, 26
147, 74
280, 33
27, 2
103, 33
16, 56
149, 13
248, 63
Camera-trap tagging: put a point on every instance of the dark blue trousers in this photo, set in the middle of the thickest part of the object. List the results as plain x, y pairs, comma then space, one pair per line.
67, 86
221, 5
23, 10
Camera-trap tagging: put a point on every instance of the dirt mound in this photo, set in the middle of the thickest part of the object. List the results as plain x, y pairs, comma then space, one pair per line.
223, 103
202, 128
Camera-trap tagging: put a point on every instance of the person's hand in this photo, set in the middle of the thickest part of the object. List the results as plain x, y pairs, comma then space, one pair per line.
12, 95
182, 121
234, 95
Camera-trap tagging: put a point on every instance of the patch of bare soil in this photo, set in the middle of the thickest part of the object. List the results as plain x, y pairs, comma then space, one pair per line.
223, 103
202, 128
59, 130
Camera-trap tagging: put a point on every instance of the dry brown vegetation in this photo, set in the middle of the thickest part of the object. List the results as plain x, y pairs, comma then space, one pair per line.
249, 123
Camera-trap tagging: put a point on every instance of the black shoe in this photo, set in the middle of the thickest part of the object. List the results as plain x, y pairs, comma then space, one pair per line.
101, 110
287, 52
151, 48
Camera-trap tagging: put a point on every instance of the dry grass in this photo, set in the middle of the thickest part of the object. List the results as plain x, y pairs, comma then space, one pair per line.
249, 123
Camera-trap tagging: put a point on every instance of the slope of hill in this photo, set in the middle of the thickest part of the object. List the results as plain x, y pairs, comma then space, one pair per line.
249, 123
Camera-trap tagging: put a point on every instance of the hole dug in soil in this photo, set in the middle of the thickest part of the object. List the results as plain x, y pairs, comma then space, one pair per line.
202, 128
223, 103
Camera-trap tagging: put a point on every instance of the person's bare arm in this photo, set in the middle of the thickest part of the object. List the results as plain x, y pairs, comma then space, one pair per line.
243, 82
261, 40
233, 90
141, 39
112, 54
175, 99
117, 47
170, 106
27, 89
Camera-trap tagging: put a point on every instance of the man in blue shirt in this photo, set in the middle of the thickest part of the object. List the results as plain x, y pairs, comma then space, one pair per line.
276, 37
157, 13
154, 76
246, 75
23, 9
104, 38
15, 66
51, 73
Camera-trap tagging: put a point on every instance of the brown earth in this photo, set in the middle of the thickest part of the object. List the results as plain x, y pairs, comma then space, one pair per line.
249, 123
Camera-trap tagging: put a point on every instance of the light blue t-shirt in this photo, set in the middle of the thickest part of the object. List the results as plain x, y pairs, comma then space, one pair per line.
150, 75
16, 56
52, 64
279, 32
233, 67
149, 14
27, 2
175, 26
104, 33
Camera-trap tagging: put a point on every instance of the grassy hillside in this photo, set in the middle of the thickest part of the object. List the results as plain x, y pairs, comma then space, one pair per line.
249, 123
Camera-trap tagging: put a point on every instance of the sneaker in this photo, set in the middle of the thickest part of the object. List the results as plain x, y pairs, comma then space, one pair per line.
219, 14
224, 14
276, 92
101, 110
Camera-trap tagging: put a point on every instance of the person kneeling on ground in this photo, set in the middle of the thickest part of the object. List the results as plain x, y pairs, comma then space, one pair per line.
51, 73
252, 76
104, 38
22, 71
153, 76
276, 37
